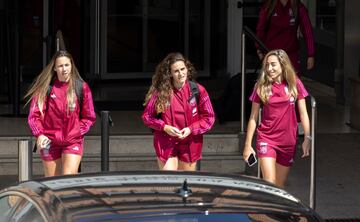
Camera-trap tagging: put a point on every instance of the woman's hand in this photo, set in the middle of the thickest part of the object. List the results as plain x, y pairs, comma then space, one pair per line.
247, 151
306, 147
41, 141
260, 54
172, 131
310, 63
185, 133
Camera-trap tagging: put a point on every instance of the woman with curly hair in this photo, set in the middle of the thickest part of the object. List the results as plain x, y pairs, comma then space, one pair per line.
178, 118
277, 89
55, 116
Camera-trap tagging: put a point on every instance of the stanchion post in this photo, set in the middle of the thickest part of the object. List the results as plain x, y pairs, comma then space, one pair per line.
198, 165
25, 159
243, 70
313, 155
105, 120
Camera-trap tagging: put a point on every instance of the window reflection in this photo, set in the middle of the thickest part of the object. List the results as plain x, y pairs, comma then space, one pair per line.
16, 208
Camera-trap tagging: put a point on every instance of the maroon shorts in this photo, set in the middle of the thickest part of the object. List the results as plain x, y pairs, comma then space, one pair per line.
55, 152
181, 151
284, 155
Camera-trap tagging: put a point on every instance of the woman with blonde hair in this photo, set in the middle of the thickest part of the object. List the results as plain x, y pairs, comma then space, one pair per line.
277, 90
179, 111
61, 112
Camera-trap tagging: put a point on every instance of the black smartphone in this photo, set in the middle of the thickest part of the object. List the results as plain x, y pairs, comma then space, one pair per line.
251, 160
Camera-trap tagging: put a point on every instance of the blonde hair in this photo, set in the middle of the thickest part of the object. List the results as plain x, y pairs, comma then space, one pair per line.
39, 88
264, 82
162, 80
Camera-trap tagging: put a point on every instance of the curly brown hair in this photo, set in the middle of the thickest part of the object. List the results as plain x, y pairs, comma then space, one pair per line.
162, 80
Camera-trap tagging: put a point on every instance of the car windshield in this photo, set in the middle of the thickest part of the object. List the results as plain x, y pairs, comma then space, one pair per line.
196, 217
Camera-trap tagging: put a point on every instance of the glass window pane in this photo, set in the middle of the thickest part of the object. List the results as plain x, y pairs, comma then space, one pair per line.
124, 44
124, 36
163, 37
7, 206
31, 36
27, 212
140, 36
164, 30
196, 29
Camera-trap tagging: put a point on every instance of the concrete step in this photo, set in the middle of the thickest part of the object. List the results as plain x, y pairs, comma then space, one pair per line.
130, 144
221, 153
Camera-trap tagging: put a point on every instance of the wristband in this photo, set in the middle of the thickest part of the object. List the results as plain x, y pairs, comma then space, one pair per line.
308, 137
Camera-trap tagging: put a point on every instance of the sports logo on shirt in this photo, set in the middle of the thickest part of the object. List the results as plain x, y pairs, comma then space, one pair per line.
53, 95
291, 98
291, 12
292, 17
194, 111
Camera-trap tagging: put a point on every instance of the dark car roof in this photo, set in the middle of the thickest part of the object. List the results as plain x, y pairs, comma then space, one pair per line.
134, 195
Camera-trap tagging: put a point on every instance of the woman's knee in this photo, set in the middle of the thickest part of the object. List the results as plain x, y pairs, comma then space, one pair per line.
169, 164
187, 166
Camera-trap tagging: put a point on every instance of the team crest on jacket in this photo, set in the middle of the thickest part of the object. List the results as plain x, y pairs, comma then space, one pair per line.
292, 17
194, 111
192, 101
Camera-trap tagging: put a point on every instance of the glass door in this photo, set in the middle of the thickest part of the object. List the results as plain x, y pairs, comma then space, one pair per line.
136, 35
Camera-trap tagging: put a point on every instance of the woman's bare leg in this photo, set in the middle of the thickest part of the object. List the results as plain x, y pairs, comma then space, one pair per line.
268, 169
187, 166
282, 173
70, 163
170, 164
52, 167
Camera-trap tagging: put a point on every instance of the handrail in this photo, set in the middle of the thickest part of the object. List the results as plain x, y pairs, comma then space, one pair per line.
312, 198
246, 32
243, 68
253, 37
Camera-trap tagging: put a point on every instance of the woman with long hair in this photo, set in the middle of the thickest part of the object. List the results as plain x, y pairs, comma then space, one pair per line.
55, 116
277, 90
178, 117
